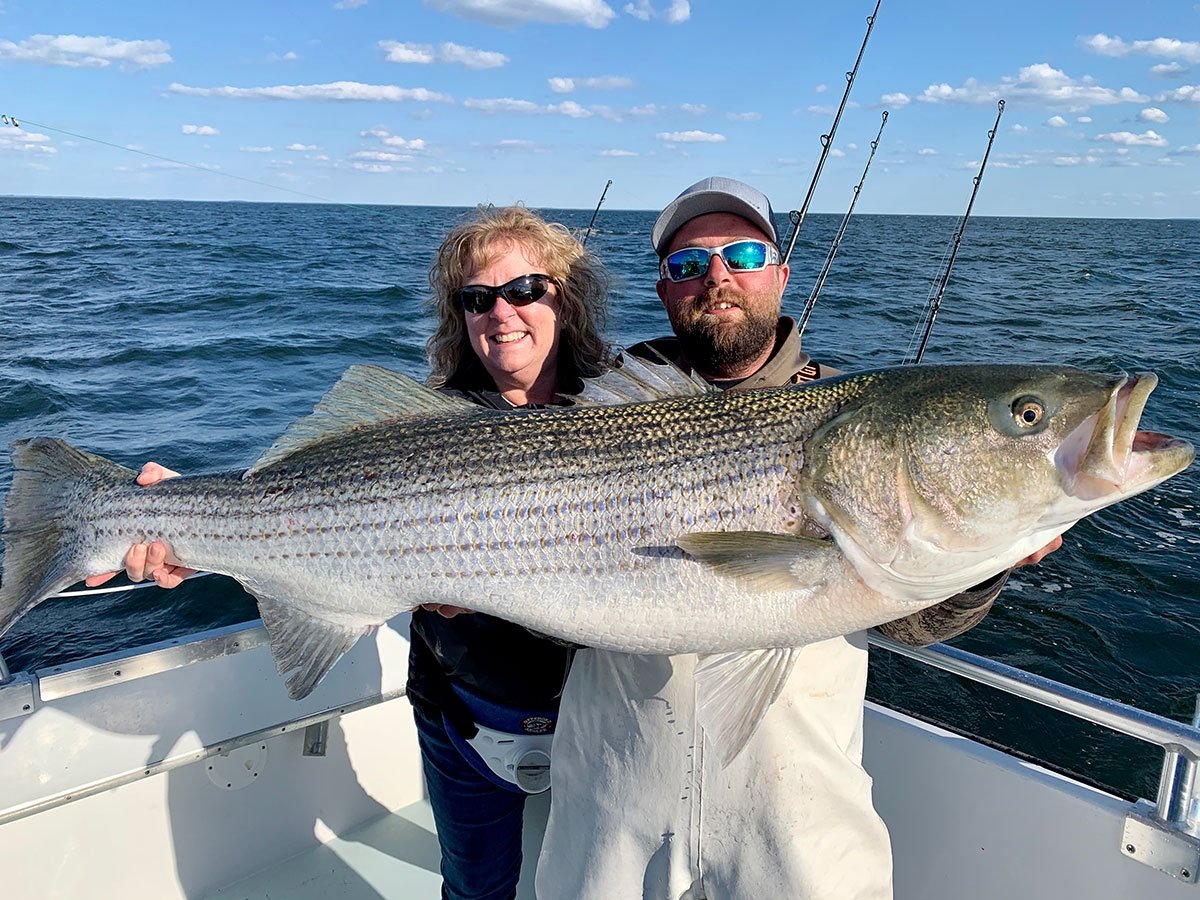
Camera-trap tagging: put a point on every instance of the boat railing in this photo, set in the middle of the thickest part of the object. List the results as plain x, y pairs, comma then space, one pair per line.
1164, 834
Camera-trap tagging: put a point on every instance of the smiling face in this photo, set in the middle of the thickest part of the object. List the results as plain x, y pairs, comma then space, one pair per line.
518, 345
725, 320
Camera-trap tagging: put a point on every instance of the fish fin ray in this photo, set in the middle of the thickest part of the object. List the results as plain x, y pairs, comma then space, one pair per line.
304, 646
41, 550
734, 692
634, 380
363, 396
762, 560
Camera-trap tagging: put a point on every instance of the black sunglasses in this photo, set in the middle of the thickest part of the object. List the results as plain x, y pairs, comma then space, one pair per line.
480, 298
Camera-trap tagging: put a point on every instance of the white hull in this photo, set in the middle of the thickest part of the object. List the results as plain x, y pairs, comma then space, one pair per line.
187, 777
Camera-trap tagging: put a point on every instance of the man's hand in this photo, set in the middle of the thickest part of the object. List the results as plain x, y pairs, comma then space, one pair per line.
1037, 557
149, 560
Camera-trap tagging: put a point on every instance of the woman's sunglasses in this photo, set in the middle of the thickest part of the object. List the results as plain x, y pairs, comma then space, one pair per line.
740, 256
480, 298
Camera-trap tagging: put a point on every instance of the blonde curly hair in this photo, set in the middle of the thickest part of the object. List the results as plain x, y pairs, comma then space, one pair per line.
582, 294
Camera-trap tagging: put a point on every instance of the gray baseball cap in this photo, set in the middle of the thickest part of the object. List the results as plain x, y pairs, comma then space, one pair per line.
713, 195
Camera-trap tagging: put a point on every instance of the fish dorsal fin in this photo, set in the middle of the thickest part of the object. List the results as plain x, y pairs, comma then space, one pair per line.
634, 380
364, 395
762, 560
734, 692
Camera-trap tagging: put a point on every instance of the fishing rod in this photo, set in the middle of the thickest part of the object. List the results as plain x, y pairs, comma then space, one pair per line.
797, 216
936, 303
588, 233
841, 232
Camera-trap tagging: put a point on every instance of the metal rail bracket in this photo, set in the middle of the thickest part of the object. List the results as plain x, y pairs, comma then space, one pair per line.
1155, 843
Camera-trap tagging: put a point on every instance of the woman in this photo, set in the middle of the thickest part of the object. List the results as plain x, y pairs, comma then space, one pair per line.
520, 308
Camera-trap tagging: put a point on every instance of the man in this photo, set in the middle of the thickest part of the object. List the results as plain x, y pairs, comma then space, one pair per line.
639, 806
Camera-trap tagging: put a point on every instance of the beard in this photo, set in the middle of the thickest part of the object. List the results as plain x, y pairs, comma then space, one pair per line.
724, 348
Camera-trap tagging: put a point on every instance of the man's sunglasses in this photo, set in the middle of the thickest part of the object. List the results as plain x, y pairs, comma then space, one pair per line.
480, 298
740, 256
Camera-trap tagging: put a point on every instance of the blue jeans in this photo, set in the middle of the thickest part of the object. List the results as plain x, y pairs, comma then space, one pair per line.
478, 823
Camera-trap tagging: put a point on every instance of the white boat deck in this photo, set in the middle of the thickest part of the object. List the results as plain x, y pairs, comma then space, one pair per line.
184, 772
395, 855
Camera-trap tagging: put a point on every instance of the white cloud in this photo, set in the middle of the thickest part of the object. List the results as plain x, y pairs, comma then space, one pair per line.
1056, 122
837, 152
1039, 83
820, 88
26, 141
695, 109
257, 149
206, 130
743, 116
337, 90
301, 148
349, 4
425, 54
382, 156
1084, 120
1169, 69
617, 153
394, 140
676, 12
1167, 47
290, 56
592, 13
600, 83
528, 107
76, 51
1019, 129
375, 168
926, 151
1153, 114
1186, 149
690, 137
1189, 93
1145, 139
896, 99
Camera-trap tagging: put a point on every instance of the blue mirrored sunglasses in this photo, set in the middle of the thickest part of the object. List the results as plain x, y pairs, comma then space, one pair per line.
480, 298
740, 256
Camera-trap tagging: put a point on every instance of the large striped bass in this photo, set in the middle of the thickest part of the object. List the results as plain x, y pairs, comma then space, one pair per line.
717, 523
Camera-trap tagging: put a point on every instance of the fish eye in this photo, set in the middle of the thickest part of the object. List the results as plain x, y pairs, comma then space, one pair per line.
1028, 412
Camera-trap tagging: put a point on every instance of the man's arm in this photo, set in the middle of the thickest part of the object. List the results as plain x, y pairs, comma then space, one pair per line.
948, 619
960, 613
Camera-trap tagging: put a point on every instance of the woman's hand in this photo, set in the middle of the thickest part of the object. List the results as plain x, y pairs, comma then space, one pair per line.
154, 559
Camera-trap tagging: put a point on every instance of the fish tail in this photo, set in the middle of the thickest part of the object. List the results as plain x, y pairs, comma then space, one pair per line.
44, 550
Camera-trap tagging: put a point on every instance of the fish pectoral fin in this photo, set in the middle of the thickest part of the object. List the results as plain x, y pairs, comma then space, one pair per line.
762, 559
364, 395
734, 692
304, 646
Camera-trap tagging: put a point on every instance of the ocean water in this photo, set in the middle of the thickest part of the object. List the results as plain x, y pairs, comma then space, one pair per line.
193, 333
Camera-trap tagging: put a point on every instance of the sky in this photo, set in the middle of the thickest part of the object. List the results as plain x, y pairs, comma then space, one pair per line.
459, 102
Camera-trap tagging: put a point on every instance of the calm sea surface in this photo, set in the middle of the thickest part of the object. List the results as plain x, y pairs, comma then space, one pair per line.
193, 333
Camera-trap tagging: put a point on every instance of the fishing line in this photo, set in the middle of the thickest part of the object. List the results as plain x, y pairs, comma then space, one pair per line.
936, 303
11, 121
841, 233
797, 215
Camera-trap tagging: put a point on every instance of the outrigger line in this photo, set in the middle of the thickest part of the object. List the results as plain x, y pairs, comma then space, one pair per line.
587, 234
931, 310
797, 216
12, 120
841, 233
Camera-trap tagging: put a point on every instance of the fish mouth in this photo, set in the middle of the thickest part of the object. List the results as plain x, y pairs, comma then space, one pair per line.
1107, 455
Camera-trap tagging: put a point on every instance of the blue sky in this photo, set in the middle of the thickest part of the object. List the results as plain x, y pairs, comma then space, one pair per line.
456, 102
